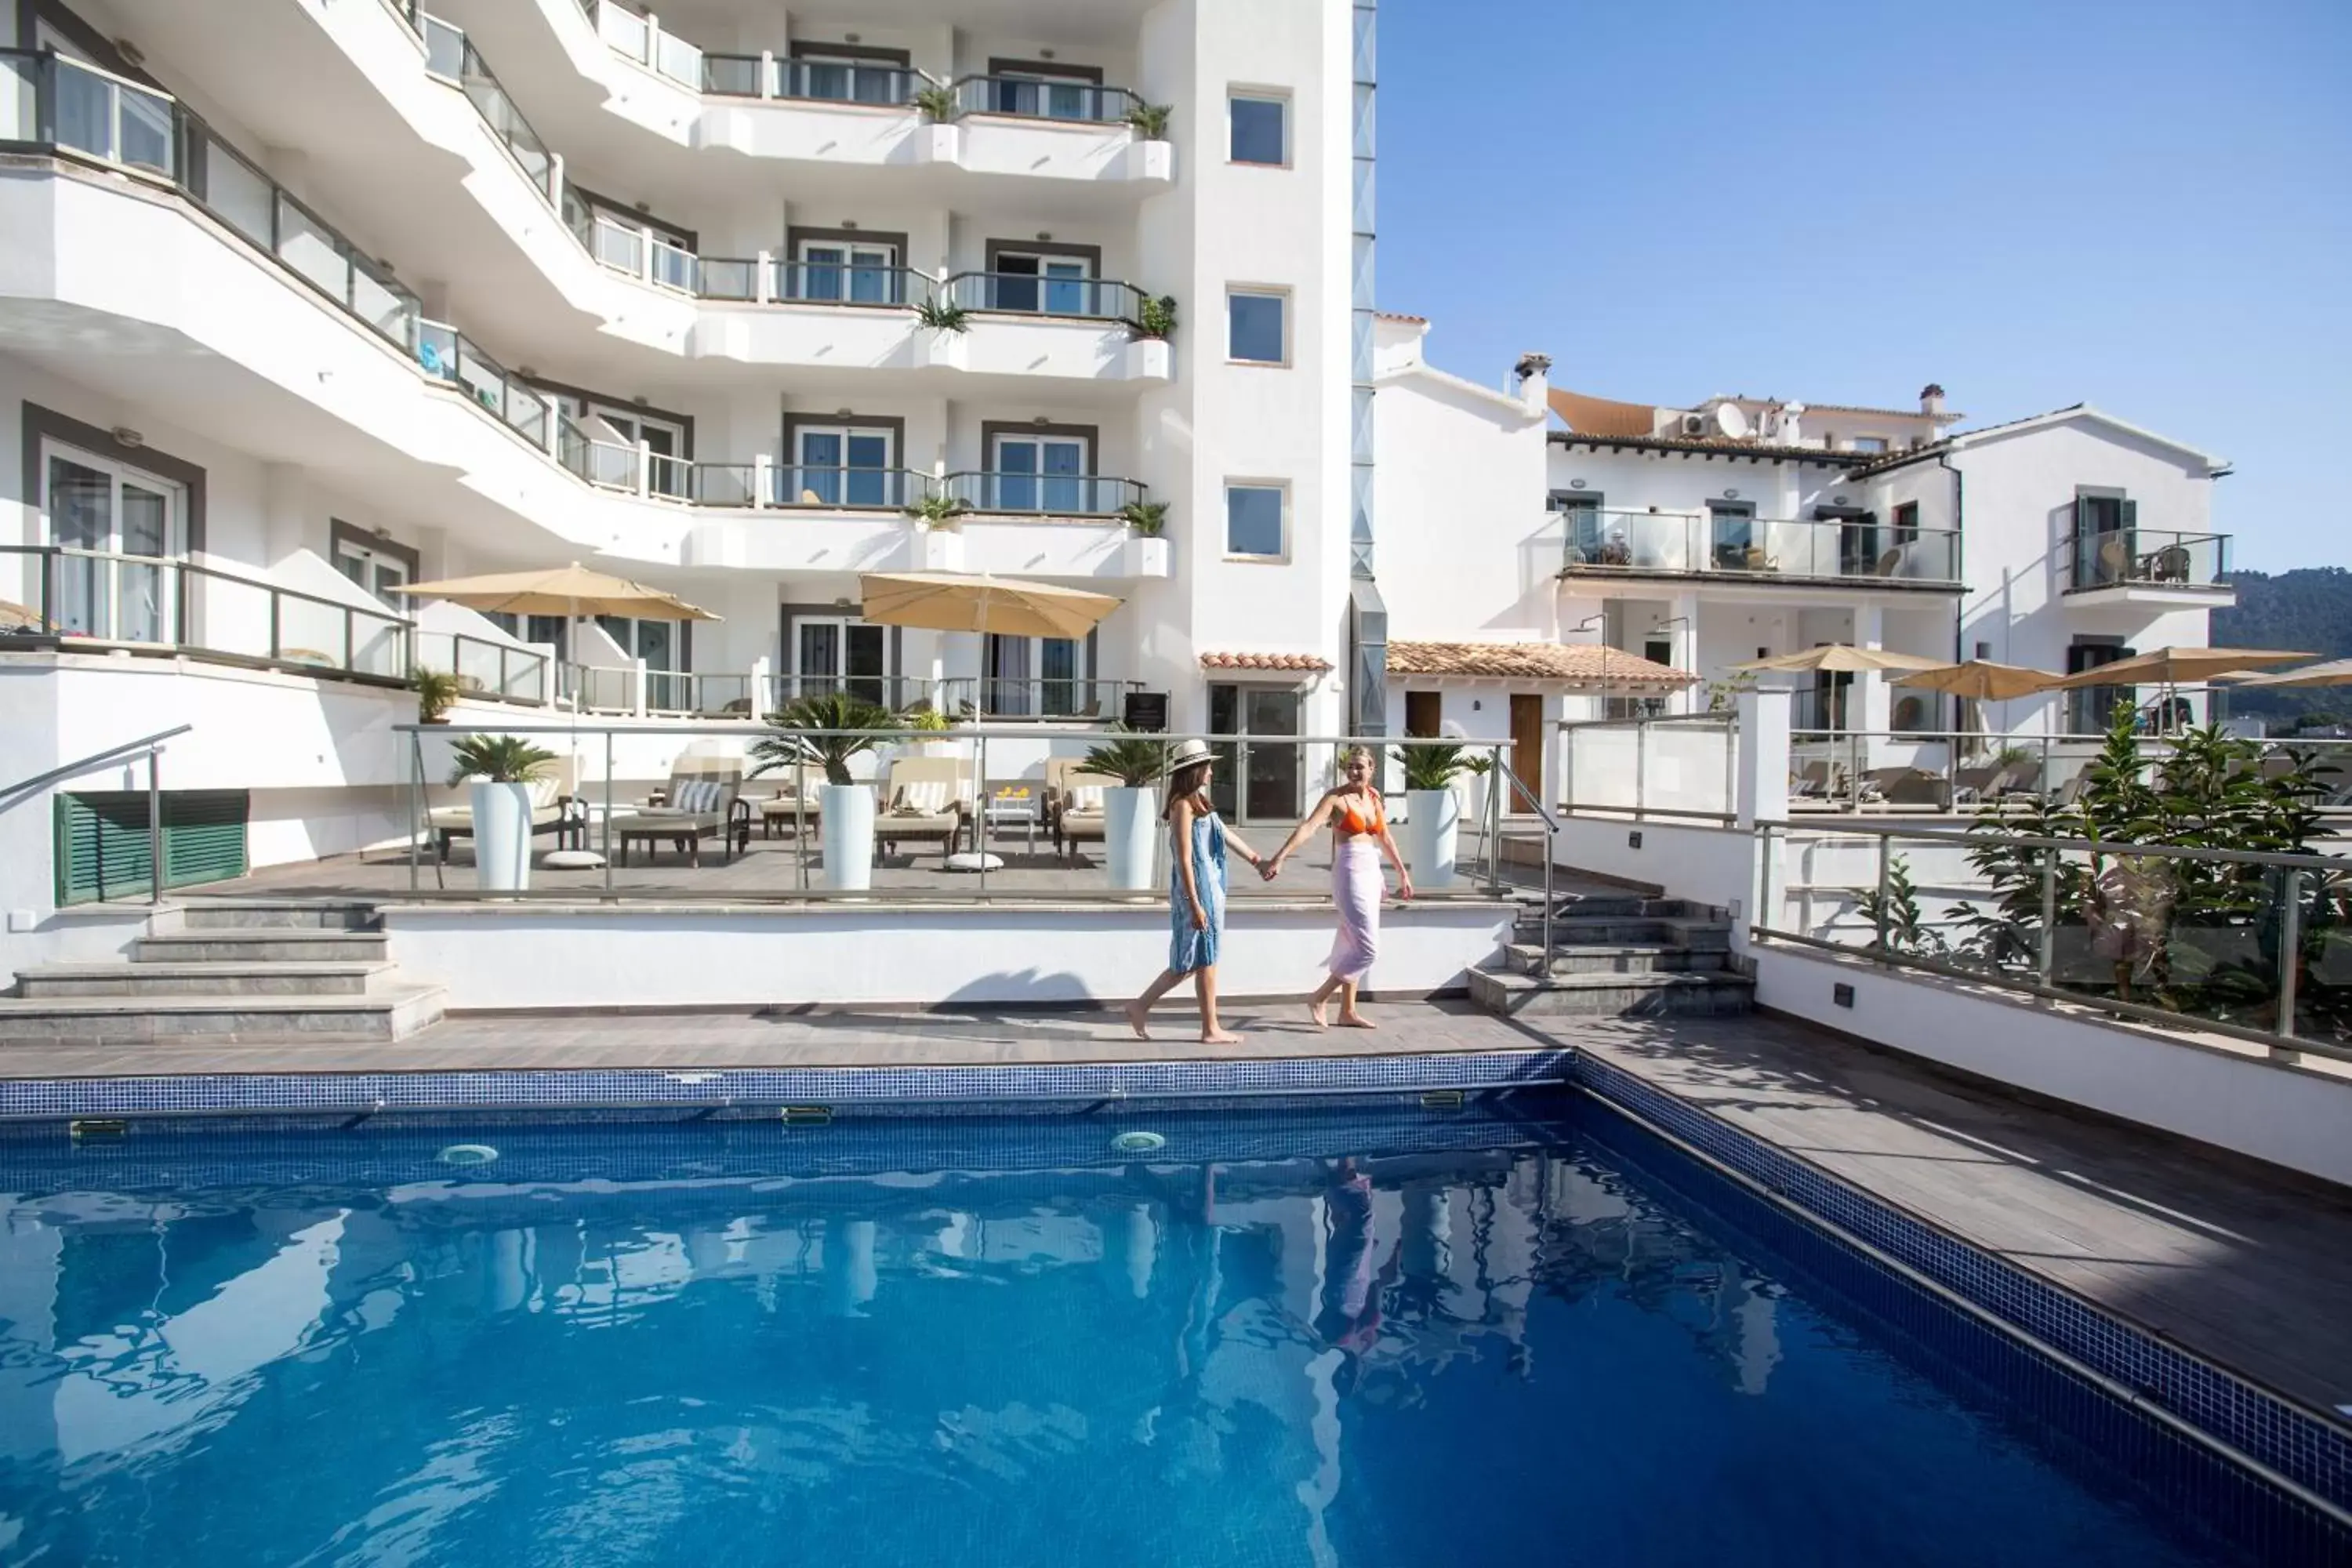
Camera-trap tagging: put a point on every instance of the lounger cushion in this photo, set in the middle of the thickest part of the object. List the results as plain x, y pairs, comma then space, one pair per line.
696, 795
923, 798
1087, 797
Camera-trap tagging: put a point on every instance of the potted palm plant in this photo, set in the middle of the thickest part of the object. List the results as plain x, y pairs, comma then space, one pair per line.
945, 321
1478, 777
437, 693
1432, 812
930, 727
846, 727
1148, 354
502, 769
939, 140
1130, 811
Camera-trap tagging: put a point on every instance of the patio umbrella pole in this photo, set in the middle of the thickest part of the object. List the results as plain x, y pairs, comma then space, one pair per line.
980, 769
608, 816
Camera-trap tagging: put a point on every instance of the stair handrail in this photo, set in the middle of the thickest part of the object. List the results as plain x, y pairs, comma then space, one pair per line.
1517, 786
150, 744
144, 744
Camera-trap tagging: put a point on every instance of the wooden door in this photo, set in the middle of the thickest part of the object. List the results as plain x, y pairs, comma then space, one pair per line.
1529, 732
1421, 714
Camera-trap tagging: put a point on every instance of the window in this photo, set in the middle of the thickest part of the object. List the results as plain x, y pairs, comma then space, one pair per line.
847, 73
1579, 519
1038, 473
836, 653
552, 630
614, 431
376, 564
2106, 538
1255, 522
1041, 91
1907, 524
1052, 283
1253, 326
1258, 129
1733, 529
119, 526
660, 644
843, 465
1870, 443
847, 272
1035, 676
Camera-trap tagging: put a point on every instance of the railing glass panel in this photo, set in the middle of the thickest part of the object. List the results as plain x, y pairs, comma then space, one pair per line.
1056, 495
2149, 556
845, 283
1037, 98
843, 81
1047, 294
804, 486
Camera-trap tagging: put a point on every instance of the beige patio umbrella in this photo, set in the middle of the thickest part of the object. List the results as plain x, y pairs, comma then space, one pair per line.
572, 591
946, 601
1842, 657
1981, 680
2175, 667
2334, 672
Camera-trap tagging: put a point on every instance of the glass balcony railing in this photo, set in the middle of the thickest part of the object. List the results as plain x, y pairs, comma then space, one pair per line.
1049, 495
1037, 98
807, 486
844, 283
846, 81
1723, 544
450, 54
2144, 557
1026, 293
448, 355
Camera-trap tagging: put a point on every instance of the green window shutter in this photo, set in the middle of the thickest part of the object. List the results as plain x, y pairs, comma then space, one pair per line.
102, 845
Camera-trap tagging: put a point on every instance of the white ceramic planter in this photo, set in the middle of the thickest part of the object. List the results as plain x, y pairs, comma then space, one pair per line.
1148, 358
1131, 829
1472, 788
940, 548
939, 144
1432, 825
1144, 556
501, 837
848, 833
1154, 161
938, 349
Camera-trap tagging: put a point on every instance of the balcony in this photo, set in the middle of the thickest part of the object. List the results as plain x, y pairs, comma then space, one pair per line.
2145, 566
1757, 550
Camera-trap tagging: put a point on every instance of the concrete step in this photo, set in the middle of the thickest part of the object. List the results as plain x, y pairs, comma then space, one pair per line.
228, 944
1699, 934
202, 978
389, 1014
1628, 958
1655, 996
277, 914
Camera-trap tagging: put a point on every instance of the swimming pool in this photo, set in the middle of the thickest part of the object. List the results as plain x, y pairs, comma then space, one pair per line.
1322, 1336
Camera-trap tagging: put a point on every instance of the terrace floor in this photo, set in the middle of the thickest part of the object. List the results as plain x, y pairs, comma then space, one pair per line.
2248, 1265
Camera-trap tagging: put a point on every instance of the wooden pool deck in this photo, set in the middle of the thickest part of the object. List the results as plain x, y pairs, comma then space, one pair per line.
2245, 1264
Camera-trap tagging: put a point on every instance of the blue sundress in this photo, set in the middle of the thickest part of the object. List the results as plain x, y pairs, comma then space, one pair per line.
1189, 949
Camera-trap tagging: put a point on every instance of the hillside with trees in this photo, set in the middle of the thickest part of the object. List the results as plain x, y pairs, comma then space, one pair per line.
2310, 607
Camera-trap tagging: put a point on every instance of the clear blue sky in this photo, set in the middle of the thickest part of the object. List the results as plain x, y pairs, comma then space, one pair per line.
2145, 205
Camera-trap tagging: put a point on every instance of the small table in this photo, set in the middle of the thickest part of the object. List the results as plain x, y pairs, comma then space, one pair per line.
1012, 806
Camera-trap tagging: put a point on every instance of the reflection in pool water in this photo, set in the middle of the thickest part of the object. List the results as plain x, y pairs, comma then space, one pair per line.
1320, 1340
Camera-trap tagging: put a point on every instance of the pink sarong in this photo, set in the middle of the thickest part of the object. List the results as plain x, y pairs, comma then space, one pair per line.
1356, 889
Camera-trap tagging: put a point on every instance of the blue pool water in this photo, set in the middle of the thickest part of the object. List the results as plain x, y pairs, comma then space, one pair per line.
1356, 1338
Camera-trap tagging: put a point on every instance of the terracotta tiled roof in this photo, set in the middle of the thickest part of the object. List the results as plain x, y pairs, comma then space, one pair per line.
1401, 316
1714, 444
1307, 663
1586, 663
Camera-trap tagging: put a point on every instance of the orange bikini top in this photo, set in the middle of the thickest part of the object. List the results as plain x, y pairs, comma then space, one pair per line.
1359, 813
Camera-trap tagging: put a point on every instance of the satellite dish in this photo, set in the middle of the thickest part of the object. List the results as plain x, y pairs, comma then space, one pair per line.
1731, 421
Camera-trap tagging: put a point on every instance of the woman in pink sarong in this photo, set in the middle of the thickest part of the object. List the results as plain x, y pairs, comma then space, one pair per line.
1360, 832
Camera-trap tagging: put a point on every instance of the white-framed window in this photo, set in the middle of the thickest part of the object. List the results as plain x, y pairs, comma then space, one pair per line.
1257, 520
1869, 443
1257, 128
1031, 90
1050, 282
661, 644
844, 465
380, 572
1257, 323
615, 429
118, 527
842, 652
1038, 473
848, 272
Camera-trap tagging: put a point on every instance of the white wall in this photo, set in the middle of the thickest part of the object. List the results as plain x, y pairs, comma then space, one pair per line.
2219, 1096
1712, 865
619, 957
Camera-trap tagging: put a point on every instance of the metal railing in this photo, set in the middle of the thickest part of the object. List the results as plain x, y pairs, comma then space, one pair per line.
1021, 754
845, 283
1028, 294
449, 356
1849, 770
1046, 697
160, 605
845, 81
2149, 557
450, 54
807, 485
493, 671
1722, 544
1051, 495
2251, 944
1669, 765
151, 746
1032, 98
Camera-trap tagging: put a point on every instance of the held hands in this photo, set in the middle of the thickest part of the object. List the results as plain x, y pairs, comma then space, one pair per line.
1270, 867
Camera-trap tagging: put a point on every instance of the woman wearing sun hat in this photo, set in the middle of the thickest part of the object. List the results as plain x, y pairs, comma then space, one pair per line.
1196, 891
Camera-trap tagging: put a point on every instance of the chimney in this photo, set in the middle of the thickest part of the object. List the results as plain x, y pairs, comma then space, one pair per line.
1792, 425
1931, 400
1535, 381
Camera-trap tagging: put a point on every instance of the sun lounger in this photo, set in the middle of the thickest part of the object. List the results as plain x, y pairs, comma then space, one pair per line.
1073, 803
925, 800
704, 796
554, 808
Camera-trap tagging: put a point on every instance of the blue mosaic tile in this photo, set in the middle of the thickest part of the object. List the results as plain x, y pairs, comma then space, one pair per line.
2304, 1446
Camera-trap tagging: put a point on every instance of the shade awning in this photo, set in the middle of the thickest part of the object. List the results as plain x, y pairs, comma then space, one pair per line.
1843, 657
1980, 678
2334, 672
1010, 606
573, 590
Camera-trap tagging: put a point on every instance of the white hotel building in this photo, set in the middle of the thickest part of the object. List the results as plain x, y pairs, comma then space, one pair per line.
302, 299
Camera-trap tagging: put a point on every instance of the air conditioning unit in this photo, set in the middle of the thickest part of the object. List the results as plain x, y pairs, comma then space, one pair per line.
1693, 424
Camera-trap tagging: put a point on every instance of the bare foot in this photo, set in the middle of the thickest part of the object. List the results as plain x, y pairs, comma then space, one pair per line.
1136, 1020
1220, 1037
1356, 1021
1315, 1011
